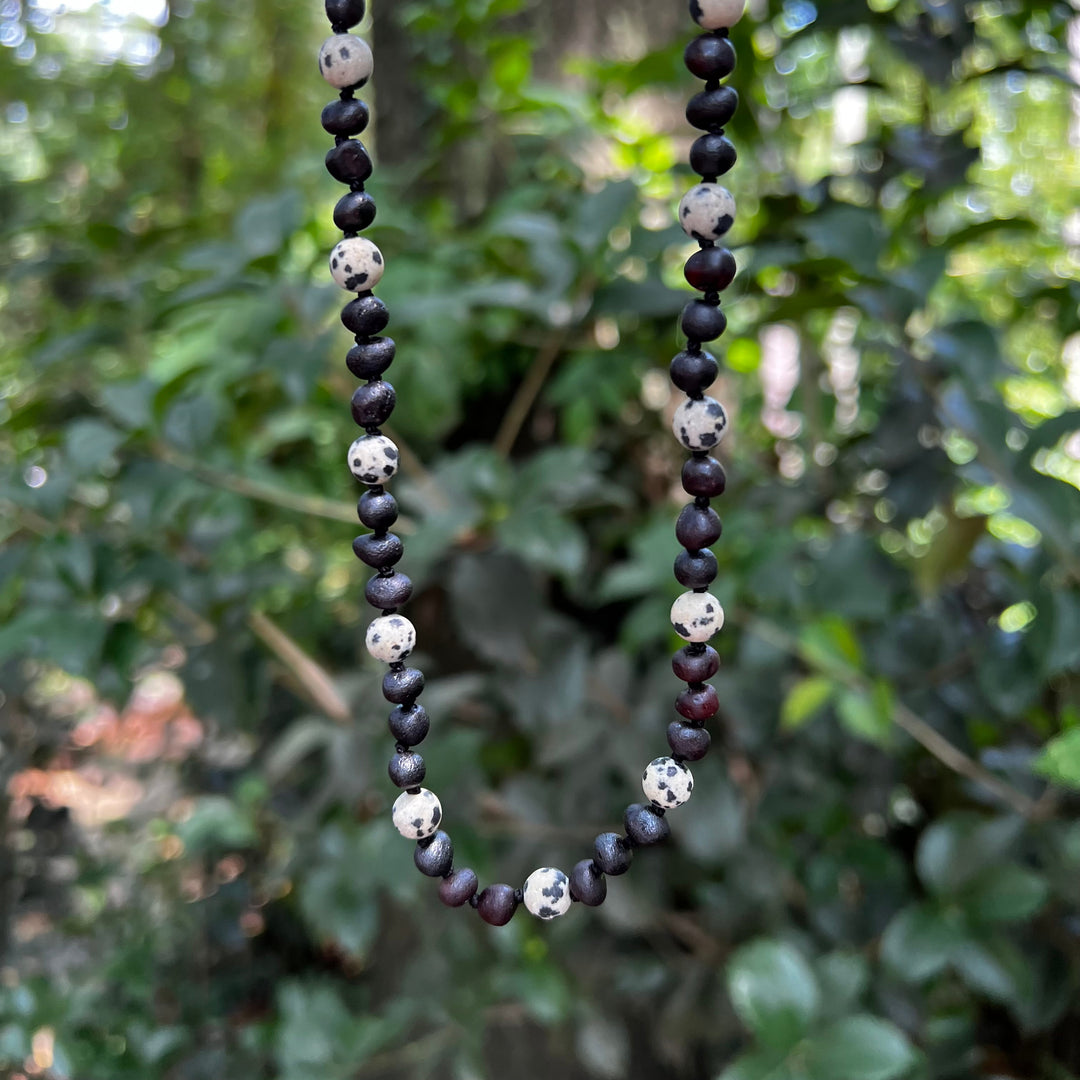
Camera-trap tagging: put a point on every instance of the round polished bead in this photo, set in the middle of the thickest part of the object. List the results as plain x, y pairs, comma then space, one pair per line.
345, 61
644, 825
696, 616
373, 403
666, 782
373, 459
699, 424
417, 816
365, 316
710, 269
409, 724
546, 893
384, 591
702, 321
434, 856
390, 638
349, 162
378, 510
345, 116
378, 552
458, 887
695, 569
697, 527
613, 854
405, 687
710, 57
712, 154
345, 12
706, 212
688, 741
710, 110
407, 770
693, 372
695, 667
716, 14
703, 477
587, 884
698, 703
354, 211
496, 904
371, 358
357, 264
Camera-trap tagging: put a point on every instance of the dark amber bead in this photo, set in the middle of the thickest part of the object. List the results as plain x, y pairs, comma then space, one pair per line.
496, 904
703, 476
695, 570
587, 883
710, 57
698, 704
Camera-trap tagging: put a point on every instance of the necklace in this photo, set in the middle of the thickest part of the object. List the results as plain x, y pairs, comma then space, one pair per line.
705, 213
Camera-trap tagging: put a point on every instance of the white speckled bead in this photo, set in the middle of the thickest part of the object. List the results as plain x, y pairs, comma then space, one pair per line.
696, 616
417, 816
357, 264
345, 60
547, 893
716, 14
373, 459
707, 211
667, 782
700, 424
390, 638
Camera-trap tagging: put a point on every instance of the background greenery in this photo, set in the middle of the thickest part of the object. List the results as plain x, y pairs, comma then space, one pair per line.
879, 874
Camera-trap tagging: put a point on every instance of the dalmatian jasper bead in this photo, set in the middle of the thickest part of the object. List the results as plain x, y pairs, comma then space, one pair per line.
547, 893
716, 14
699, 424
666, 782
373, 459
357, 264
707, 211
345, 60
417, 816
390, 638
696, 616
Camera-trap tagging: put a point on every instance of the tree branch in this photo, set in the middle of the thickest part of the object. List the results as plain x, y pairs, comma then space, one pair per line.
952, 757
312, 505
314, 679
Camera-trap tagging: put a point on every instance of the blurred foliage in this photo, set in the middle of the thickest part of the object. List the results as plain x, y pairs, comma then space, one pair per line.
878, 875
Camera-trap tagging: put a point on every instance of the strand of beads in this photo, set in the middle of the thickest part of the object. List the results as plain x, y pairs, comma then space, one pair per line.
706, 213
357, 265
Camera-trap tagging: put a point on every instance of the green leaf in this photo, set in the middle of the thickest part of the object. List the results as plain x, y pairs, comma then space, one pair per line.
830, 646
1008, 893
806, 698
843, 977
957, 849
757, 1065
544, 539
319, 1034
262, 227
1059, 761
996, 969
773, 991
216, 822
867, 715
917, 942
88, 444
860, 1048
603, 1046
849, 233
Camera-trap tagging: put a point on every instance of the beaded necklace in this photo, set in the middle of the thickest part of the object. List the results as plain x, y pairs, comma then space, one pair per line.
705, 213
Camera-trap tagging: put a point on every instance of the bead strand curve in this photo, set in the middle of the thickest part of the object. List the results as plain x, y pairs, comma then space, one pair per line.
356, 264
